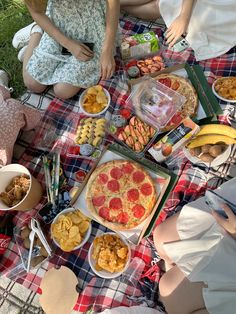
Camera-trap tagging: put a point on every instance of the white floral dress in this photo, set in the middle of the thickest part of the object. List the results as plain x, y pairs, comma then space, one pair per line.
82, 20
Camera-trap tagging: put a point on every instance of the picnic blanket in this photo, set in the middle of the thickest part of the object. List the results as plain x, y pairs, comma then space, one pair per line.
139, 284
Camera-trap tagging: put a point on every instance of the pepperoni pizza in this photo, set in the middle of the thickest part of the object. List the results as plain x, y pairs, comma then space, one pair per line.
184, 88
120, 194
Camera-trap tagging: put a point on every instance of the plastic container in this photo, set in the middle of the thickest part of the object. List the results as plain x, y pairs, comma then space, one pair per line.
103, 273
34, 193
154, 103
130, 131
36, 261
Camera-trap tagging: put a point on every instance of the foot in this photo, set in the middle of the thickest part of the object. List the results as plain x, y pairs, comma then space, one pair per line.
22, 37
4, 78
21, 54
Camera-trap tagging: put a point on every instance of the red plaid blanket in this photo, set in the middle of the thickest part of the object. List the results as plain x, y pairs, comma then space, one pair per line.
139, 285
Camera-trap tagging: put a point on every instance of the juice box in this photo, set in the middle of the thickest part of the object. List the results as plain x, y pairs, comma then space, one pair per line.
139, 45
173, 140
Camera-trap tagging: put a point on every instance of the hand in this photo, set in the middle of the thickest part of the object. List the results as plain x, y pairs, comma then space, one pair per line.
176, 29
80, 51
229, 224
108, 65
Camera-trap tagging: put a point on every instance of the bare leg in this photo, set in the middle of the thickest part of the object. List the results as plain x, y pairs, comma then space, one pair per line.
143, 9
65, 91
166, 232
31, 83
179, 295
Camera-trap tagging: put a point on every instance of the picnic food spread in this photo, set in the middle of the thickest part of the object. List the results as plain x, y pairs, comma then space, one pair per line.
110, 253
186, 89
121, 194
226, 87
16, 190
69, 229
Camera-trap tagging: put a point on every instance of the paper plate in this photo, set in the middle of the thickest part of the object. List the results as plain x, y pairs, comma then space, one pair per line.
217, 95
216, 162
103, 273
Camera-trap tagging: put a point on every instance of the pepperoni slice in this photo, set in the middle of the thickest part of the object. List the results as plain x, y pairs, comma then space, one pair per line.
104, 213
138, 176
113, 185
138, 211
146, 189
98, 200
115, 203
116, 173
165, 81
175, 85
133, 195
127, 168
123, 218
103, 178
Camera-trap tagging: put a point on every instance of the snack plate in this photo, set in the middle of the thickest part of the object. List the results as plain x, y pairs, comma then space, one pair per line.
86, 237
216, 162
85, 150
122, 119
217, 95
103, 273
81, 100
161, 179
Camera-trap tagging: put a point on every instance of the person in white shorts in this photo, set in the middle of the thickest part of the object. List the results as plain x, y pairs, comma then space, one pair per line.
199, 249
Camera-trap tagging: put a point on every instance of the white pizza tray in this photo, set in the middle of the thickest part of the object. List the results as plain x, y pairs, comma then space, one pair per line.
133, 235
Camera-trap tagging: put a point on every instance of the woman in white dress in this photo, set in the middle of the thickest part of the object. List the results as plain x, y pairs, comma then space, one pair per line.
210, 24
199, 249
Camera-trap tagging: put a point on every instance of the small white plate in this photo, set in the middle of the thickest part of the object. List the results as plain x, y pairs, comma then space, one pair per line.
81, 101
217, 95
103, 273
86, 237
216, 162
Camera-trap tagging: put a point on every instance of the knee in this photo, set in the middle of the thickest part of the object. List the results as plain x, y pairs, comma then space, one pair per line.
64, 92
34, 86
164, 286
158, 237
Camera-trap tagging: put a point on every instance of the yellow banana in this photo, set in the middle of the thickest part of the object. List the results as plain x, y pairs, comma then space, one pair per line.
217, 129
210, 139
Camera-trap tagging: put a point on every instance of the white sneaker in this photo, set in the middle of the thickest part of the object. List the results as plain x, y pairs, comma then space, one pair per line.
21, 54
22, 37
4, 79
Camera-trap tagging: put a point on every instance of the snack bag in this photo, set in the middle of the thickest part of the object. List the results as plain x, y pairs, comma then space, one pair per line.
139, 45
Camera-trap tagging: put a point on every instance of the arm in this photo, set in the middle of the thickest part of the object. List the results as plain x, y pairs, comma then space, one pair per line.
107, 57
228, 224
37, 9
180, 24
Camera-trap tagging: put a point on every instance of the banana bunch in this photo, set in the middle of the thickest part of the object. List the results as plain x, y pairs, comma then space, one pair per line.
213, 134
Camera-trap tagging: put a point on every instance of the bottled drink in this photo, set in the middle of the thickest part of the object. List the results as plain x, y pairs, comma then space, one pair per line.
6, 232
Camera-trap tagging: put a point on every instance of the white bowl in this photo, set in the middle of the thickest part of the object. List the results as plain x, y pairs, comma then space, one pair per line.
103, 273
86, 236
217, 95
219, 160
81, 100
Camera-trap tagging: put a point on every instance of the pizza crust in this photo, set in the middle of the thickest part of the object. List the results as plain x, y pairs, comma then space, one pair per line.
91, 182
190, 107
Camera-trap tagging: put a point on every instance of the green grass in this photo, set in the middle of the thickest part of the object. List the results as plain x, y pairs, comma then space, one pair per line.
13, 16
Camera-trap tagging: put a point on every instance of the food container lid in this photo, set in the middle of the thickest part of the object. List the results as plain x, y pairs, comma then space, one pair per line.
154, 102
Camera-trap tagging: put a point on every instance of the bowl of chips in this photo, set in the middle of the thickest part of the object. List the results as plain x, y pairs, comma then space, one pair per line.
70, 229
225, 88
109, 255
94, 101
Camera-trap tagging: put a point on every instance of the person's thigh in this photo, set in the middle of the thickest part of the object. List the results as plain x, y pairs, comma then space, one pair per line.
166, 232
134, 2
65, 91
179, 295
